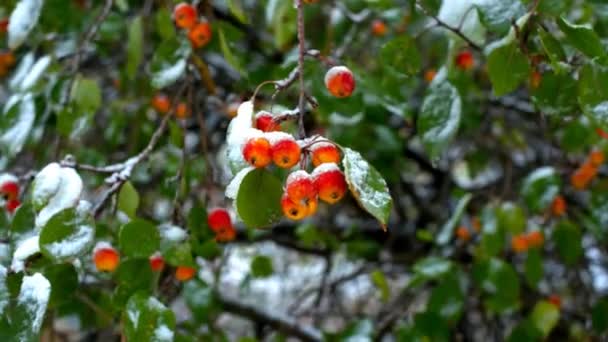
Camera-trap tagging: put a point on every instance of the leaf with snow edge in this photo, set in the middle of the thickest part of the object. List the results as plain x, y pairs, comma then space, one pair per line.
258, 201
497, 15
67, 235
540, 188
367, 186
508, 67
4, 294
67, 196
239, 129
22, 71
16, 122
593, 92
135, 46
448, 228
138, 238
35, 73
45, 185
146, 319
233, 188
583, 38
128, 199
22, 21
544, 316
169, 62
401, 55
27, 315
459, 14
439, 118
24, 250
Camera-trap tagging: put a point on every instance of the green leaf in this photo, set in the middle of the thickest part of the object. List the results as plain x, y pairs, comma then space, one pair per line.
86, 94
169, 62
507, 66
540, 188
493, 234
599, 315
568, 240
533, 267
135, 46
381, 284
448, 228
261, 267
511, 218
128, 199
432, 267
147, 319
556, 94
281, 19
401, 55
552, 47
67, 235
201, 300
139, 238
367, 186
582, 37
227, 52
500, 283
179, 255
447, 299
164, 24
593, 92
64, 282
258, 200
544, 317
439, 118
236, 8
24, 220
27, 315
497, 15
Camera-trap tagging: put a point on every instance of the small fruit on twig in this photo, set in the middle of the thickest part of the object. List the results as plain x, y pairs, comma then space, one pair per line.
340, 81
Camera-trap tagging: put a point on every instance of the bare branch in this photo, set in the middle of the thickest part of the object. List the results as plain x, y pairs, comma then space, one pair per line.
455, 30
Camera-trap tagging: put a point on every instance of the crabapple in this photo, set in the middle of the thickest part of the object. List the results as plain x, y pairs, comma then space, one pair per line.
184, 273
105, 257
330, 182
185, 15
200, 35
257, 152
157, 263
340, 82
324, 152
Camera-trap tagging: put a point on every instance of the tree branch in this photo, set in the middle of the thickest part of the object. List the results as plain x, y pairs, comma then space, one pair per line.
455, 30
301, 52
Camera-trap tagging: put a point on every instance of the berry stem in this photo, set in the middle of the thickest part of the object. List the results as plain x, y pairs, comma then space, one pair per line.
301, 53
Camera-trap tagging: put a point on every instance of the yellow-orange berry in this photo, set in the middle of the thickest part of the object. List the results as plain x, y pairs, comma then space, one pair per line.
535, 79
596, 158
284, 149
379, 28
324, 152
264, 121
519, 243
294, 210
330, 182
340, 82
535, 239
300, 186
555, 300
583, 176
231, 109
257, 152
157, 263
184, 273
182, 111
464, 60
225, 234
161, 103
105, 257
558, 207
429, 75
185, 16
200, 35
463, 233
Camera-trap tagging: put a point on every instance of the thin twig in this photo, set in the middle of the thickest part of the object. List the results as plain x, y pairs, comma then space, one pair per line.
301, 52
455, 30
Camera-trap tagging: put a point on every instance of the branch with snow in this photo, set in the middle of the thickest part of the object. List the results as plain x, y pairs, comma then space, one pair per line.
456, 30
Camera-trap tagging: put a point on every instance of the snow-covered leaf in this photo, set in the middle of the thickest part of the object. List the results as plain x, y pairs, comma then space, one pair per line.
22, 71
239, 129
23, 19
16, 123
461, 13
169, 62
448, 228
135, 46
24, 250
67, 195
497, 15
147, 319
67, 235
540, 188
583, 38
35, 73
439, 118
4, 294
27, 315
45, 185
367, 186
233, 188
258, 200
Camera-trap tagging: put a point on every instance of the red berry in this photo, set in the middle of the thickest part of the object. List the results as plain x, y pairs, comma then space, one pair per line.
157, 263
378, 28
219, 219
184, 273
284, 149
185, 16
300, 186
200, 35
257, 152
10, 190
161, 103
105, 257
340, 82
464, 60
12, 205
264, 121
324, 152
330, 182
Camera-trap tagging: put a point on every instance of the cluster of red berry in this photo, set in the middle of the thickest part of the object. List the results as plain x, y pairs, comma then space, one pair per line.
199, 31
9, 191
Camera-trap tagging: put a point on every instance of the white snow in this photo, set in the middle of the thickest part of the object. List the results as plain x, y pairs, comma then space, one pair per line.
8, 178
325, 167
67, 196
35, 73
22, 71
263, 113
335, 71
22, 21
233, 188
163, 333
319, 144
4, 296
74, 244
34, 297
275, 137
102, 245
357, 172
15, 136
453, 11
25, 249
169, 75
296, 176
172, 232
239, 130
46, 184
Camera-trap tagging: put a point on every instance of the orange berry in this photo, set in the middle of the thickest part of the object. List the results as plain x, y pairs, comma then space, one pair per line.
264, 121
519, 243
476, 224
330, 182
184, 273
583, 176
182, 111
558, 207
284, 149
4, 26
219, 219
429, 75
12, 205
311, 204
9, 190
185, 15
200, 35
300, 186
535, 239
464, 60
157, 263
463, 233
232, 109
596, 158
105, 257
257, 152
161, 103
379, 28
340, 82
555, 300
535, 78
7, 59
324, 152
225, 234
294, 210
